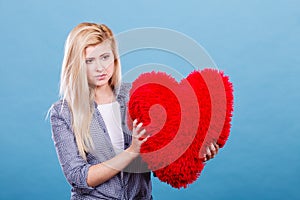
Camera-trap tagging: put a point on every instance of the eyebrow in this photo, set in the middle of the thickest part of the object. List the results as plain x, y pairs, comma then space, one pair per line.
91, 58
99, 56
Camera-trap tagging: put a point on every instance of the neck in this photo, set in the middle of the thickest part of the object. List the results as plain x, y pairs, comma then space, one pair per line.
104, 94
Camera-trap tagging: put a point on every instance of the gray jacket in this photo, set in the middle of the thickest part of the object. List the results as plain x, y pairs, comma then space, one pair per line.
122, 186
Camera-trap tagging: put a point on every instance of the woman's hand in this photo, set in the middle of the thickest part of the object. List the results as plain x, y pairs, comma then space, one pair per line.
211, 151
104, 171
138, 138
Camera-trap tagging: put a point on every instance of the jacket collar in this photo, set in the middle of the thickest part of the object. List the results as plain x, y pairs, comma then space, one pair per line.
119, 93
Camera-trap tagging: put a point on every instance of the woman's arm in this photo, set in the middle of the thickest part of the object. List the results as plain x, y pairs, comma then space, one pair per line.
74, 167
102, 172
77, 171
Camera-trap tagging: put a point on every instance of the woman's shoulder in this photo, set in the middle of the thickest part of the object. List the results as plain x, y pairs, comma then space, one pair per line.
126, 86
60, 108
124, 89
61, 103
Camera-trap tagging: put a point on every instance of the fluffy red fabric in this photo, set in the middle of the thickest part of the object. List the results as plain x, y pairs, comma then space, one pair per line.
182, 119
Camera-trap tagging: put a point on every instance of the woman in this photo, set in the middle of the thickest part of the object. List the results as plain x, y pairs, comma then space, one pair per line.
92, 140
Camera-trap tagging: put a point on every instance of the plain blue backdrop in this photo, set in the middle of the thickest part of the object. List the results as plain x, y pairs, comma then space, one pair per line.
256, 43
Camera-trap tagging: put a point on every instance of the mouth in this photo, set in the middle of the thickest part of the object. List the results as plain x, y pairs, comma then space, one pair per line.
102, 76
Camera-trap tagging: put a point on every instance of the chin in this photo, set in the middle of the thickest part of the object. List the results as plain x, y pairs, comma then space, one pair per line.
101, 83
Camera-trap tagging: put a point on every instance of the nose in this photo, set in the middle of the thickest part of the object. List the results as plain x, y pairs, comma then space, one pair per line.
99, 66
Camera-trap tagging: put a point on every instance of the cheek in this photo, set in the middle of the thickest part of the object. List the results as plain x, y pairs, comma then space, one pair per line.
111, 68
89, 73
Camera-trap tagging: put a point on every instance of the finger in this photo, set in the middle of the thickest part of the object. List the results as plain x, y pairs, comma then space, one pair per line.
208, 153
137, 128
134, 127
212, 147
145, 139
217, 147
213, 150
207, 157
204, 158
134, 123
141, 133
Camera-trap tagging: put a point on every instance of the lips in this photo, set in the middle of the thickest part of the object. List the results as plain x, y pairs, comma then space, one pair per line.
102, 76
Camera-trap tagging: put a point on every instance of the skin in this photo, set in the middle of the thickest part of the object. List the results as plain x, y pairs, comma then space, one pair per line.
211, 151
100, 68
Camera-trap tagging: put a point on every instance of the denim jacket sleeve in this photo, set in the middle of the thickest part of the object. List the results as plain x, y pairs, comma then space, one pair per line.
75, 168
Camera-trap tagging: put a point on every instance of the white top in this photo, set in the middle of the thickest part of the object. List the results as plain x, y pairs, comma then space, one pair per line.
111, 115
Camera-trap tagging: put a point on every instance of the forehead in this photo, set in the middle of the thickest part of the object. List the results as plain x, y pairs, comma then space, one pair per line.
99, 49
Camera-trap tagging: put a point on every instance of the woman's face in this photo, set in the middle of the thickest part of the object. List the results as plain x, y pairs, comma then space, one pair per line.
99, 60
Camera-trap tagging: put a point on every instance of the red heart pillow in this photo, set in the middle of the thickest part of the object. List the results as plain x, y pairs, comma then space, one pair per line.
182, 119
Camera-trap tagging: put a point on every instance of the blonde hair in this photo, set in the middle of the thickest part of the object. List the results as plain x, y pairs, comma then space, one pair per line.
74, 87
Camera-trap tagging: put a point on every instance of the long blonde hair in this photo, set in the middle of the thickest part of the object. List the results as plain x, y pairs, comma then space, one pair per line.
74, 87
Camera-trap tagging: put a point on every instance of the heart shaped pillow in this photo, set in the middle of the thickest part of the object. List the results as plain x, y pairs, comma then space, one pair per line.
183, 119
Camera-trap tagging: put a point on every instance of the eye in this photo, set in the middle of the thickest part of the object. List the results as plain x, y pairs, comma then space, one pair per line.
105, 57
89, 61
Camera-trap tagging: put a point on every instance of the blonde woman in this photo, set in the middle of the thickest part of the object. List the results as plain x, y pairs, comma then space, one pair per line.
92, 140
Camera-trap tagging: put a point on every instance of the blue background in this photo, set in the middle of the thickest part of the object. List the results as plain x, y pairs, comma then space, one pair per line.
256, 43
